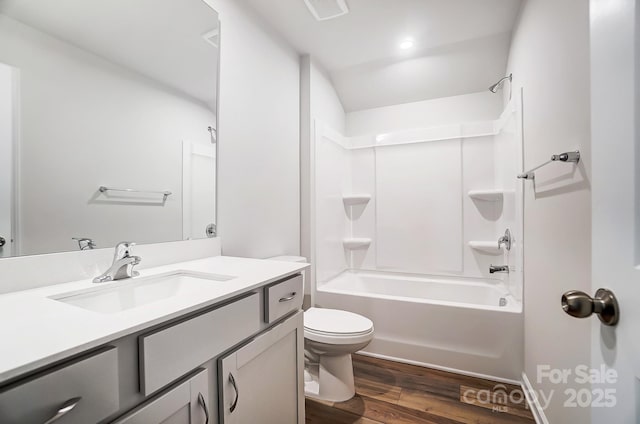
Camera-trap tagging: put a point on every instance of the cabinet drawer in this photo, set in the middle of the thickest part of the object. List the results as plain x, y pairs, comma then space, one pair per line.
91, 383
168, 354
283, 297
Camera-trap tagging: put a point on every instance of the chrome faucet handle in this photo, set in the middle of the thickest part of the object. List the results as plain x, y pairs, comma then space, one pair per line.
85, 243
124, 249
123, 263
505, 239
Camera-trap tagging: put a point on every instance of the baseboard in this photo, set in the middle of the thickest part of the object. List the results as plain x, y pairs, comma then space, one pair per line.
532, 400
441, 368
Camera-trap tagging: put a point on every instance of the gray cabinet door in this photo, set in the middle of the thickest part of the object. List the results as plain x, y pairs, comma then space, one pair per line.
187, 402
262, 381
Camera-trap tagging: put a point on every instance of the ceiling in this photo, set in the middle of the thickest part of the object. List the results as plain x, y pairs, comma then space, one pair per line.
161, 39
461, 46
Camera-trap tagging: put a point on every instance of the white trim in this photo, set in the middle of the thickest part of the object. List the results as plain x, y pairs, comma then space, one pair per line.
532, 399
186, 189
316, 135
16, 199
441, 368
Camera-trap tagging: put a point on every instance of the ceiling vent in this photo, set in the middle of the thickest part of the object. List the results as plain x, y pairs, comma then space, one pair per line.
327, 9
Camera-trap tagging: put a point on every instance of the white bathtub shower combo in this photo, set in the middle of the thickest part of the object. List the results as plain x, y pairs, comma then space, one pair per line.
406, 231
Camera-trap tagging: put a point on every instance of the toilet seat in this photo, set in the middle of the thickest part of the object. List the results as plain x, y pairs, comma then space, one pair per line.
332, 326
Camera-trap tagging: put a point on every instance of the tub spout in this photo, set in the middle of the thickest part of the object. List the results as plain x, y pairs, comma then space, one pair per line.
498, 268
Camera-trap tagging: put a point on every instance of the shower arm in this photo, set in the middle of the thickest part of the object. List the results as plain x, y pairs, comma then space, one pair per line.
572, 157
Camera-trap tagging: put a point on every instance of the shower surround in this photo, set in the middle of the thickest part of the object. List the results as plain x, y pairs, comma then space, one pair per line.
406, 226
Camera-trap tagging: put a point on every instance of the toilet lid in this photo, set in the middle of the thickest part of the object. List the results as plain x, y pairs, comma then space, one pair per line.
333, 321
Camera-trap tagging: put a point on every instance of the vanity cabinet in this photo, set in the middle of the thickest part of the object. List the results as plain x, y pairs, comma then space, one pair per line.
262, 381
239, 361
186, 402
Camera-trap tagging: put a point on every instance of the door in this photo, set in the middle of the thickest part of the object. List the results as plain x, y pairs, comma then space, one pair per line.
7, 120
187, 402
616, 207
198, 190
262, 382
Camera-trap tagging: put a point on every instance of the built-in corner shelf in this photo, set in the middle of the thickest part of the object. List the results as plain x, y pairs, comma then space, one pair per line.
493, 195
486, 247
356, 243
356, 199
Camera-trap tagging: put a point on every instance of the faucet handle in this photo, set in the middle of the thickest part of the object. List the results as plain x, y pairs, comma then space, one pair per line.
505, 240
123, 250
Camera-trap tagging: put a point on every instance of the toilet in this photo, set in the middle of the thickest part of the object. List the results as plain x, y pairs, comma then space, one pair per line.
330, 337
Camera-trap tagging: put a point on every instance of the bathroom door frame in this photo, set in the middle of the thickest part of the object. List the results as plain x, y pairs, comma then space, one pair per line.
615, 138
13, 239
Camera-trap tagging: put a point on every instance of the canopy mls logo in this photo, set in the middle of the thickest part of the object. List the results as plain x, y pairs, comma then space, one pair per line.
498, 399
502, 399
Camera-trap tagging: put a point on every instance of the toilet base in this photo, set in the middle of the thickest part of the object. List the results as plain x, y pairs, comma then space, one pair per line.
331, 379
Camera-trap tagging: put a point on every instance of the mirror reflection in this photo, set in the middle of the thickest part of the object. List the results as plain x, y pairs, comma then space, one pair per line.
108, 117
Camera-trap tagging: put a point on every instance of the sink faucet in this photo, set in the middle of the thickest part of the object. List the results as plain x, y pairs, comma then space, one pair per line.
498, 268
122, 266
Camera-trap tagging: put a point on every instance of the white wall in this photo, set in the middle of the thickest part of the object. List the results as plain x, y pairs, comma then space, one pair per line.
550, 59
427, 113
325, 103
86, 122
259, 177
319, 102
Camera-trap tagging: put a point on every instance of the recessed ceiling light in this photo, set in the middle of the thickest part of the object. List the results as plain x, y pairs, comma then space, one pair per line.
407, 43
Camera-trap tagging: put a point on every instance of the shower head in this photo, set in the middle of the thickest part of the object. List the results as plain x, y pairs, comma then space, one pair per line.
495, 87
214, 134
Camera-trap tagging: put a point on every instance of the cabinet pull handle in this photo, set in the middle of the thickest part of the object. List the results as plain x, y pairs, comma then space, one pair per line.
64, 409
203, 404
291, 296
235, 387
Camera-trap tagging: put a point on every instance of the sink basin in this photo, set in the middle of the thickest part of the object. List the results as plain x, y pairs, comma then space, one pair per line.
133, 293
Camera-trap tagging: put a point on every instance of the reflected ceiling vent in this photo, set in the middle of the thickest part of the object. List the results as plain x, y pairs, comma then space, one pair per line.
327, 9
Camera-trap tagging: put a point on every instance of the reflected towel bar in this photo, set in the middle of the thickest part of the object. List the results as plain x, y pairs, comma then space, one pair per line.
165, 194
573, 157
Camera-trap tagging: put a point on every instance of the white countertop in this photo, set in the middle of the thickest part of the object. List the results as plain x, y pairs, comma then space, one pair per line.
36, 331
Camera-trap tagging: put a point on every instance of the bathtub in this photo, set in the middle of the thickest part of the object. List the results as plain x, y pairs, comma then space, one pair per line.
456, 325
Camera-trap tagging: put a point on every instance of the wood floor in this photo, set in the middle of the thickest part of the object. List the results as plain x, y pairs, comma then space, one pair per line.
393, 393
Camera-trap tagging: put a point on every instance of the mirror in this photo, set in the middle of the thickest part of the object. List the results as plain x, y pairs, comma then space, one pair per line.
108, 117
